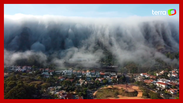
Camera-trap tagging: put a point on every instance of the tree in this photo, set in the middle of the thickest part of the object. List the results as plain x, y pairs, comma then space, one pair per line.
20, 92
145, 92
84, 91
37, 72
33, 67
5, 69
121, 70
17, 76
45, 85
7, 89
39, 78
154, 95
120, 80
37, 86
174, 87
55, 96
97, 82
105, 81
177, 96
116, 93
80, 94
51, 66
152, 86
20, 83
24, 74
114, 80
132, 67
16, 93
11, 78
11, 84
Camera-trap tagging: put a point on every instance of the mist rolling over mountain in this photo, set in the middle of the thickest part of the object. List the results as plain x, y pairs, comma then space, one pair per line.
56, 39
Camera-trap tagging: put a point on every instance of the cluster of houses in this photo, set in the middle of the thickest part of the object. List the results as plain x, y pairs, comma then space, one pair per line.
89, 74
46, 72
90, 77
173, 73
80, 73
20, 68
161, 83
62, 94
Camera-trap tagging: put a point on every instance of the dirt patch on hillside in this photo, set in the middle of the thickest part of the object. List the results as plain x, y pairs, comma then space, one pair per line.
129, 88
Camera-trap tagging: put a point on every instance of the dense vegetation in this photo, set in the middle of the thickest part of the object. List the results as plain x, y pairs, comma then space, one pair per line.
107, 93
149, 94
16, 87
129, 94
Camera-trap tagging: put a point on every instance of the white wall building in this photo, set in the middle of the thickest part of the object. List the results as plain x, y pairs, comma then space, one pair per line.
161, 85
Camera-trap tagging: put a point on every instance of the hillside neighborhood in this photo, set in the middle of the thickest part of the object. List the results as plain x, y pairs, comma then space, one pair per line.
81, 84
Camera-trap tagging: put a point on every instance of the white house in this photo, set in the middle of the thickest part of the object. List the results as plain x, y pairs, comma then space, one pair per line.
45, 73
161, 85
169, 74
163, 80
157, 74
113, 74
88, 74
145, 75
139, 78
174, 75
67, 72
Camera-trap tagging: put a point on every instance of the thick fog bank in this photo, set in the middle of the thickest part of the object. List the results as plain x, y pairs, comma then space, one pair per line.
56, 39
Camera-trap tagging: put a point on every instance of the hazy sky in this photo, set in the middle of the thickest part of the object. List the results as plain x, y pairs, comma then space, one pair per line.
89, 10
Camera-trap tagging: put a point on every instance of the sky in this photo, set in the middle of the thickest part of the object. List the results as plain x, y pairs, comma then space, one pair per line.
89, 10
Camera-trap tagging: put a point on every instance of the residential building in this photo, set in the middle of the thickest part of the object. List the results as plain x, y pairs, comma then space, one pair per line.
97, 74
83, 72
172, 91
61, 78
163, 80
47, 69
175, 75
139, 78
113, 74
161, 85
88, 74
67, 72
145, 75
152, 77
173, 84
148, 81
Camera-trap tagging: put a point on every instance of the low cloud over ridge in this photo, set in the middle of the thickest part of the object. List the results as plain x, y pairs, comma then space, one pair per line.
74, 39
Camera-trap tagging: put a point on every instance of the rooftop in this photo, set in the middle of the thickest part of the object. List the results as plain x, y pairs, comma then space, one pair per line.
161, 83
